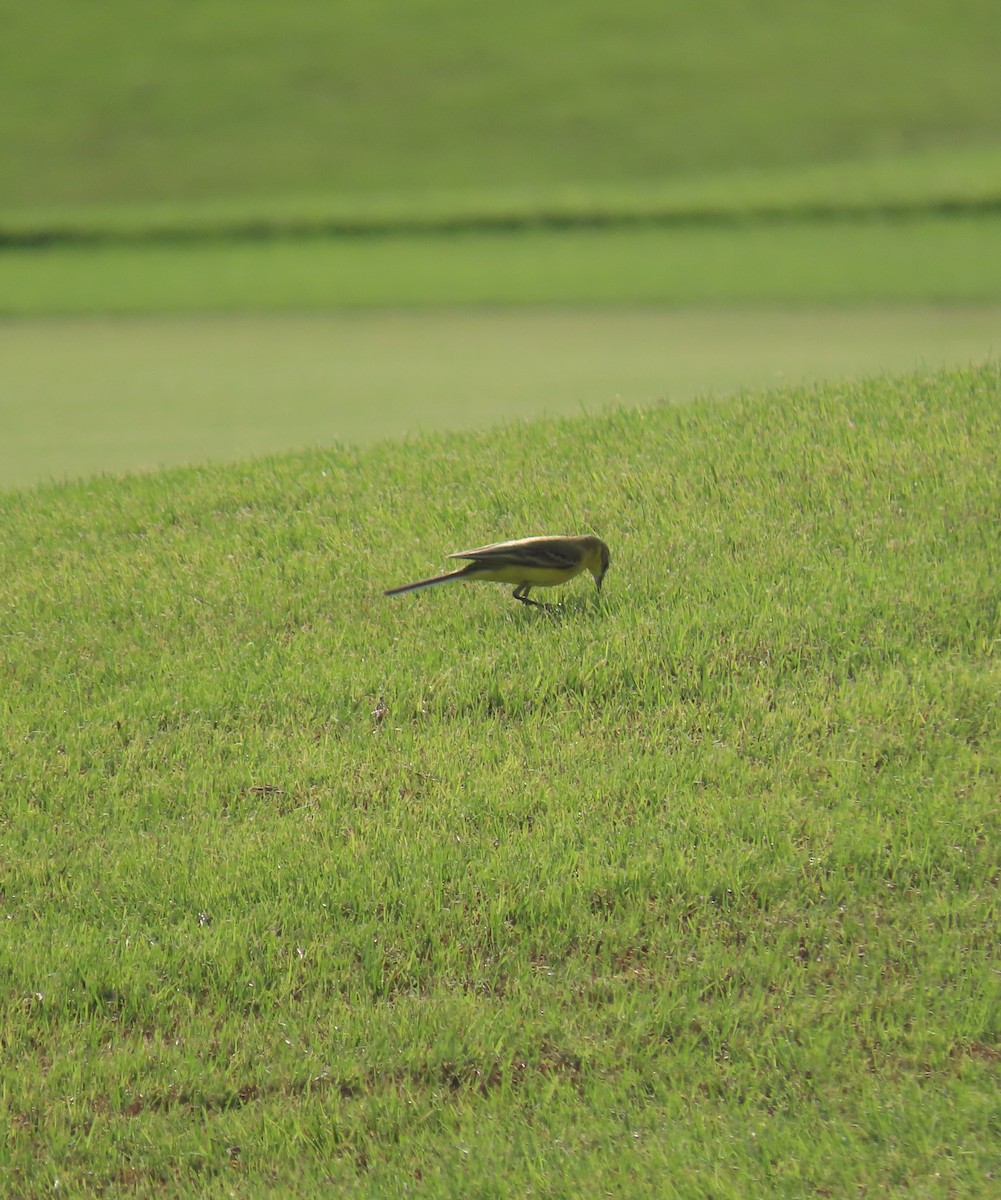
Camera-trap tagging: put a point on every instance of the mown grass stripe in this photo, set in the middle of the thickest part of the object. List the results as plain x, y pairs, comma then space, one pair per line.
263, 229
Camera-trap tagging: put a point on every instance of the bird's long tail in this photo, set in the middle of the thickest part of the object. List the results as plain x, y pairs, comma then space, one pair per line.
424, 583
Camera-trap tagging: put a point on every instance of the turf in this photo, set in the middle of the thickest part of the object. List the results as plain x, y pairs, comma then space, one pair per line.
85, 395
689, 891
941, 181
227, 100
915, 259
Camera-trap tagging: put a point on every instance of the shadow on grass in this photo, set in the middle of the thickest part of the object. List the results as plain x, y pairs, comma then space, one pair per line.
574, 608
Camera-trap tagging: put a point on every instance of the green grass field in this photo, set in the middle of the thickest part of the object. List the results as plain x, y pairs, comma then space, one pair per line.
310, 158
689, 891
917, 260
227, 100
686, 891
85, 395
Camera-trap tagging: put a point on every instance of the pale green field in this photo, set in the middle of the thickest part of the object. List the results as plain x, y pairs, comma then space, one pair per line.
117, 394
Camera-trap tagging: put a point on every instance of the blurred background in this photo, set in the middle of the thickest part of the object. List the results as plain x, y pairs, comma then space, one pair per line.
229, 229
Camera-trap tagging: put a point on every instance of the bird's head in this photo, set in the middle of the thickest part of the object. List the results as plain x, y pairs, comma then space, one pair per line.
598, 559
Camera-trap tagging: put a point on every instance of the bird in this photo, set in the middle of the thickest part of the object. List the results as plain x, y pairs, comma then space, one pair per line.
527, 563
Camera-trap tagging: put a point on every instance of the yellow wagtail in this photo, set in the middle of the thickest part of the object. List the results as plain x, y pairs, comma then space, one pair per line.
527, 563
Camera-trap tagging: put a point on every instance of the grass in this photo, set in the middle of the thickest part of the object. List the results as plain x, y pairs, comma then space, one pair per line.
252, 159
690, 891
926, 183
917, 259
227, 101
84, 395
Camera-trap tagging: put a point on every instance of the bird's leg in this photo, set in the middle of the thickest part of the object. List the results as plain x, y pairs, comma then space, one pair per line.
521, 593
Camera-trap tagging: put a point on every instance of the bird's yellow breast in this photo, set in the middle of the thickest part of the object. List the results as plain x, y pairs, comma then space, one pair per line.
533, 576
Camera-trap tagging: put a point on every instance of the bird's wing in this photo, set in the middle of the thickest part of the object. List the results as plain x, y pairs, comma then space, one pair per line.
546, 553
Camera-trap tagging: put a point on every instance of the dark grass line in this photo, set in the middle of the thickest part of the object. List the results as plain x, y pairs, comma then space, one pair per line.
265, 229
